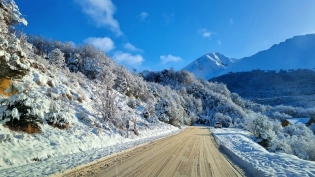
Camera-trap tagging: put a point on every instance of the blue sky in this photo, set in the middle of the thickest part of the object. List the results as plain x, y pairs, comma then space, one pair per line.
159, 34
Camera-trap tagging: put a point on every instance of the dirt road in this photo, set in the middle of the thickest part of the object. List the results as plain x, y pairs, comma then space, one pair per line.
190, 153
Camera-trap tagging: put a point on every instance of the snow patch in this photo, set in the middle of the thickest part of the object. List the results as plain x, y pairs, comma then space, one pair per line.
258, 161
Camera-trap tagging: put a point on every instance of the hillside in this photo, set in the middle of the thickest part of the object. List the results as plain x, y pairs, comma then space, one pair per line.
293, 87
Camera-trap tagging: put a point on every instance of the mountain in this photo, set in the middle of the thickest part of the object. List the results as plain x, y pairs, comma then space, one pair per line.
294, 53
210, 65
283, 74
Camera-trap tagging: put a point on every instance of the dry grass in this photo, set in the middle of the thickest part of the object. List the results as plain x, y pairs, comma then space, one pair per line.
28, 129
69, 97
4, 84
62, 127
80, 99
39, 67
49, 82
39, 83
37, 159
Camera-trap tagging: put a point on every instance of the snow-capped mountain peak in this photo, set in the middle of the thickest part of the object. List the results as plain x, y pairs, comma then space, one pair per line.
208, 64
294, 53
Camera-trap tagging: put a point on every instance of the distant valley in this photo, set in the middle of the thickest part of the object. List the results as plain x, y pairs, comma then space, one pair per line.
293, 87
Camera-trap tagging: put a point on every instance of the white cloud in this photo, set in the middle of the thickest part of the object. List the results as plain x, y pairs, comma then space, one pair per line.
168, 18
105, 44
204, 32
128, 59
101, 11
219, 42
143, 16
131, 47
170, 58
231, 21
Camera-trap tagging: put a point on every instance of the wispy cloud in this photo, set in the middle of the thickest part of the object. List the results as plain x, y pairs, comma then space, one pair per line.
105, 44
231, 21
168, 18
143, 16
204, 32
131, 47
219, 42
101, 11
128, 59
169, 58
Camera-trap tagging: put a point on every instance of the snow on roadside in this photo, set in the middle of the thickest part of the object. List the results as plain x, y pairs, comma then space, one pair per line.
257, 160
59, 164
88, 138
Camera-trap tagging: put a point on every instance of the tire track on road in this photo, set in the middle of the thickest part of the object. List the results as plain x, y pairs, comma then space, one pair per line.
189, 153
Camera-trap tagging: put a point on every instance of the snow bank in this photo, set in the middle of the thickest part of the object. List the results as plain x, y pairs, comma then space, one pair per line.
59, 164
258, 161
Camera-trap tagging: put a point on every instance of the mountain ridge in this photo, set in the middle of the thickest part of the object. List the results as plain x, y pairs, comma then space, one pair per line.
293, 53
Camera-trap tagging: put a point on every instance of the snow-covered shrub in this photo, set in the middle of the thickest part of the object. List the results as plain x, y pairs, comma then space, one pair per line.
279, 142
73, 62
299, 130
168, 111
21, 115
261, 127
303, 147
162, 108
57, 117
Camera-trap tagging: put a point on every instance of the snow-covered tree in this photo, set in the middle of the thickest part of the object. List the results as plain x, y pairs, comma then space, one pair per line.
12, 57
56, 57
9, 15
105, 104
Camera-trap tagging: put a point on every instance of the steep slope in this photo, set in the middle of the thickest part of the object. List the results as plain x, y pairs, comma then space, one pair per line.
209, 65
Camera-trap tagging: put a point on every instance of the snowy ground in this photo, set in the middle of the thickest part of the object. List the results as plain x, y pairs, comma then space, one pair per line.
256, 160
88, 138
98, 148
